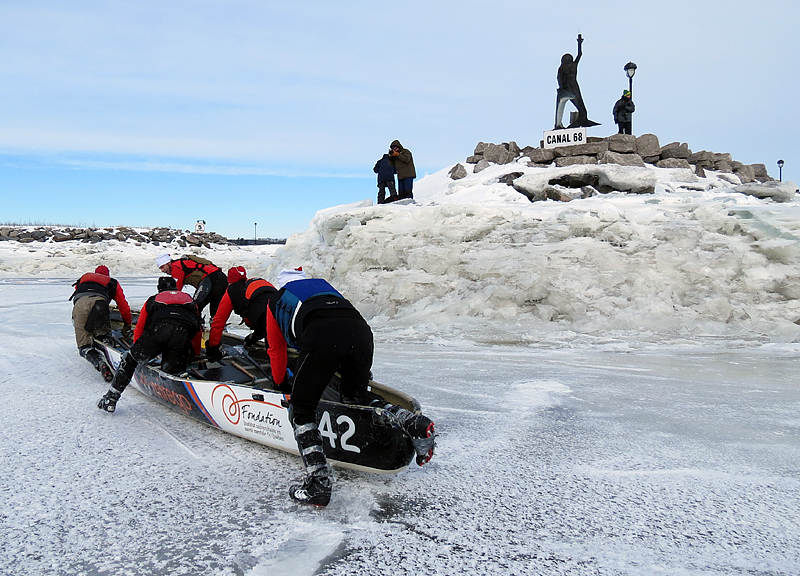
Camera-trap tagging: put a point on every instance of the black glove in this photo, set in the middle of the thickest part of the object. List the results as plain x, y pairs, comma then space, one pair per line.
127, 331
287, 384
213, 353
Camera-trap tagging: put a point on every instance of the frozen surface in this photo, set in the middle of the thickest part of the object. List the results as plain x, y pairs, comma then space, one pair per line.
615, 381
594, 460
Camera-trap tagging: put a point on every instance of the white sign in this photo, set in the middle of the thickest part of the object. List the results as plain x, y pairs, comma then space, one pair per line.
565, 137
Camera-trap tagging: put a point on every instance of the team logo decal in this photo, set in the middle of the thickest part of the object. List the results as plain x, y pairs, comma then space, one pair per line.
224, 396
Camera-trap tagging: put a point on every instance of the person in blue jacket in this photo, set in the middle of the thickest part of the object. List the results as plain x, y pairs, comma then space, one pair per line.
385, 172
330, 336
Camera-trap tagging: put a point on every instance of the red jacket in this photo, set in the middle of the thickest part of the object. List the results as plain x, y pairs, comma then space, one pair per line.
248, 298
277, 350
105, 286
180, 269
166, 297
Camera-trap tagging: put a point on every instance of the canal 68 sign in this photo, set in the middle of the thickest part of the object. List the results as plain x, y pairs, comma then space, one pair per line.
566, 137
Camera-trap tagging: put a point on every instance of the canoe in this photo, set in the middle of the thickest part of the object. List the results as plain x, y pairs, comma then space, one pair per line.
237, 395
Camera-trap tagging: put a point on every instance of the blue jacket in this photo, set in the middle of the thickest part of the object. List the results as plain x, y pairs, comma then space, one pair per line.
384, 170
290, 306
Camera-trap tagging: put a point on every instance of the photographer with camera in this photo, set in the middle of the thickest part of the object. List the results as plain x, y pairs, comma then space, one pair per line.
403, 162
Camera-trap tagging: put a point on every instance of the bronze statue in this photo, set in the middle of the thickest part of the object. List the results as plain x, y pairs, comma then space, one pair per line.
568, 89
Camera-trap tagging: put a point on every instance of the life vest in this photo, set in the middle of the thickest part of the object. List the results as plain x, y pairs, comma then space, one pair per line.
195, 269
92, 283
292, 305
249, 298
173, 305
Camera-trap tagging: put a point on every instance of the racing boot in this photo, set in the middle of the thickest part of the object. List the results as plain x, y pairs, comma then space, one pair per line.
109, 400
95, 357
418, 426
118, 384
316, 489
106, 372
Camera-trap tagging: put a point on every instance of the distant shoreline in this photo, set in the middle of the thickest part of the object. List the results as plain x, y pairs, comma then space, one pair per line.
156, 236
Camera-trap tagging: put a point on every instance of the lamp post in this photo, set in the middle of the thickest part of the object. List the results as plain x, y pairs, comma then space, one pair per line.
255, 234
780, 170
630, 70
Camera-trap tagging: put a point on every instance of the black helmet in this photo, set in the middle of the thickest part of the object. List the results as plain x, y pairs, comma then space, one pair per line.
167, 283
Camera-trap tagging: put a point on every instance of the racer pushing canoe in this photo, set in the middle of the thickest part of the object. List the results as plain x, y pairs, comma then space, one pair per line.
334, 345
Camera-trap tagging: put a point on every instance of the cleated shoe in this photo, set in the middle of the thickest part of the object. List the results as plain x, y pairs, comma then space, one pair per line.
314, 490
109, 401
106, 372
423, 436
419, 426
424, 452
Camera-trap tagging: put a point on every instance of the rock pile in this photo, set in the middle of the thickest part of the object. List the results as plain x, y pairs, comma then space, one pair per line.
623, 149
154, 236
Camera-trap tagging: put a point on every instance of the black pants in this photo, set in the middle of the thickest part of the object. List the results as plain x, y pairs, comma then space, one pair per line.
382, 187
171, 339
625, 127
327, 346
210, 291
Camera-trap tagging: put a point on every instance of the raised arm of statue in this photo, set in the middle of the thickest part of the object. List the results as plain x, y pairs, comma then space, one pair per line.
580, 50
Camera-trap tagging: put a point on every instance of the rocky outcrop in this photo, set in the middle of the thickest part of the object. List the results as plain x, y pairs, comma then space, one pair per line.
622, 149
155, 236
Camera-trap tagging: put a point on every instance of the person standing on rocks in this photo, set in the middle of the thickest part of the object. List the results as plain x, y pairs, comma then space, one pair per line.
403, 163
623, 112
385, 172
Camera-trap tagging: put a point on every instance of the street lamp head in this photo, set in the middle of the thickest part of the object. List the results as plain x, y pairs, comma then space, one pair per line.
780, 163
630, 69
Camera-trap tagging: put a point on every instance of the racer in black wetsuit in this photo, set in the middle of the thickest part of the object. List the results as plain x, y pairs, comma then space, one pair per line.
169, 324
249, 298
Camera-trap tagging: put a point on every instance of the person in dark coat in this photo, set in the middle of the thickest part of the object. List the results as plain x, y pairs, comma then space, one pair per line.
403, 163
90, 314
169, 324
623, 113
385, 173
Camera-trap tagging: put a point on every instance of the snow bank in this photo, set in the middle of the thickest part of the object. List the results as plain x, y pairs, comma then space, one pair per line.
473, 255
474, 259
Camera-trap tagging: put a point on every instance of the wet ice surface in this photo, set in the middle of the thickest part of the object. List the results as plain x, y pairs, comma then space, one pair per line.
572, 461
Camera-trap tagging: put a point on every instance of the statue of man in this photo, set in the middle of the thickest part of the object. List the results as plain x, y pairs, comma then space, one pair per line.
568, 89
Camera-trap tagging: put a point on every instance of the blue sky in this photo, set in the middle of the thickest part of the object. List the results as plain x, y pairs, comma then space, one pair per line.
148, 113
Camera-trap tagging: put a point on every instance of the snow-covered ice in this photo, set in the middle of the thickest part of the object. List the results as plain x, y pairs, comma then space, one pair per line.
614, 380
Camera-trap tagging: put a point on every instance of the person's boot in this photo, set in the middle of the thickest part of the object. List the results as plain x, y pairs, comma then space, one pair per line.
316, 488
109, 400
95, 358
418, 426
118, 384
105, 371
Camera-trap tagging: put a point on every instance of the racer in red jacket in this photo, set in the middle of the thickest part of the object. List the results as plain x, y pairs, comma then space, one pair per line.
249, 298
209, 281
169, 324
90, 314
